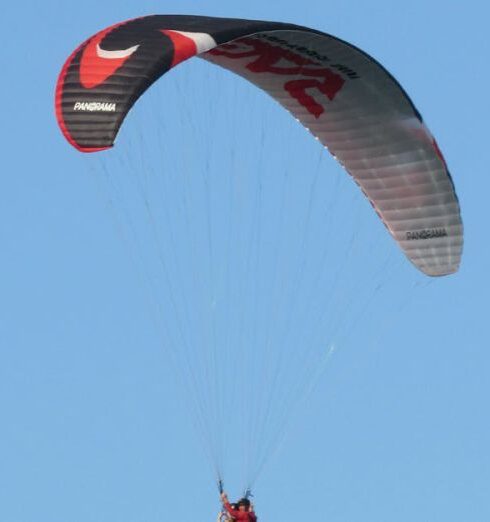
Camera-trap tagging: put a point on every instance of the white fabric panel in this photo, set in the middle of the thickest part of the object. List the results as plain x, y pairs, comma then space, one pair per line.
369, 125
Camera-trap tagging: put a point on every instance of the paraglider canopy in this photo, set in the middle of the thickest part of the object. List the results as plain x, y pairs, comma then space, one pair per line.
344, 97
250, 302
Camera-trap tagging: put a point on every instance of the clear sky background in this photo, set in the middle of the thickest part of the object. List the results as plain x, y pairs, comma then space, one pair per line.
91, 426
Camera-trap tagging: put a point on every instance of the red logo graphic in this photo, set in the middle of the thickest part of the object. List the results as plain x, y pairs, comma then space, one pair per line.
184, 47
267, 60
97, 64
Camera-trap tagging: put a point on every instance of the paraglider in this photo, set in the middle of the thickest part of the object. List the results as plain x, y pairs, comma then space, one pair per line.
344, 97
242, 510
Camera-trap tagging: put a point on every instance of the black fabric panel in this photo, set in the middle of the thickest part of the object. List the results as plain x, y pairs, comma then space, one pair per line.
98, 129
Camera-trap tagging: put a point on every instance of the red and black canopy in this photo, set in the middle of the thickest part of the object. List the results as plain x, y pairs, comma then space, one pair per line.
340, 94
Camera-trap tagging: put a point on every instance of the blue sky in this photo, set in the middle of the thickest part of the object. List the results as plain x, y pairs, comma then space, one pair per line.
94, 427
